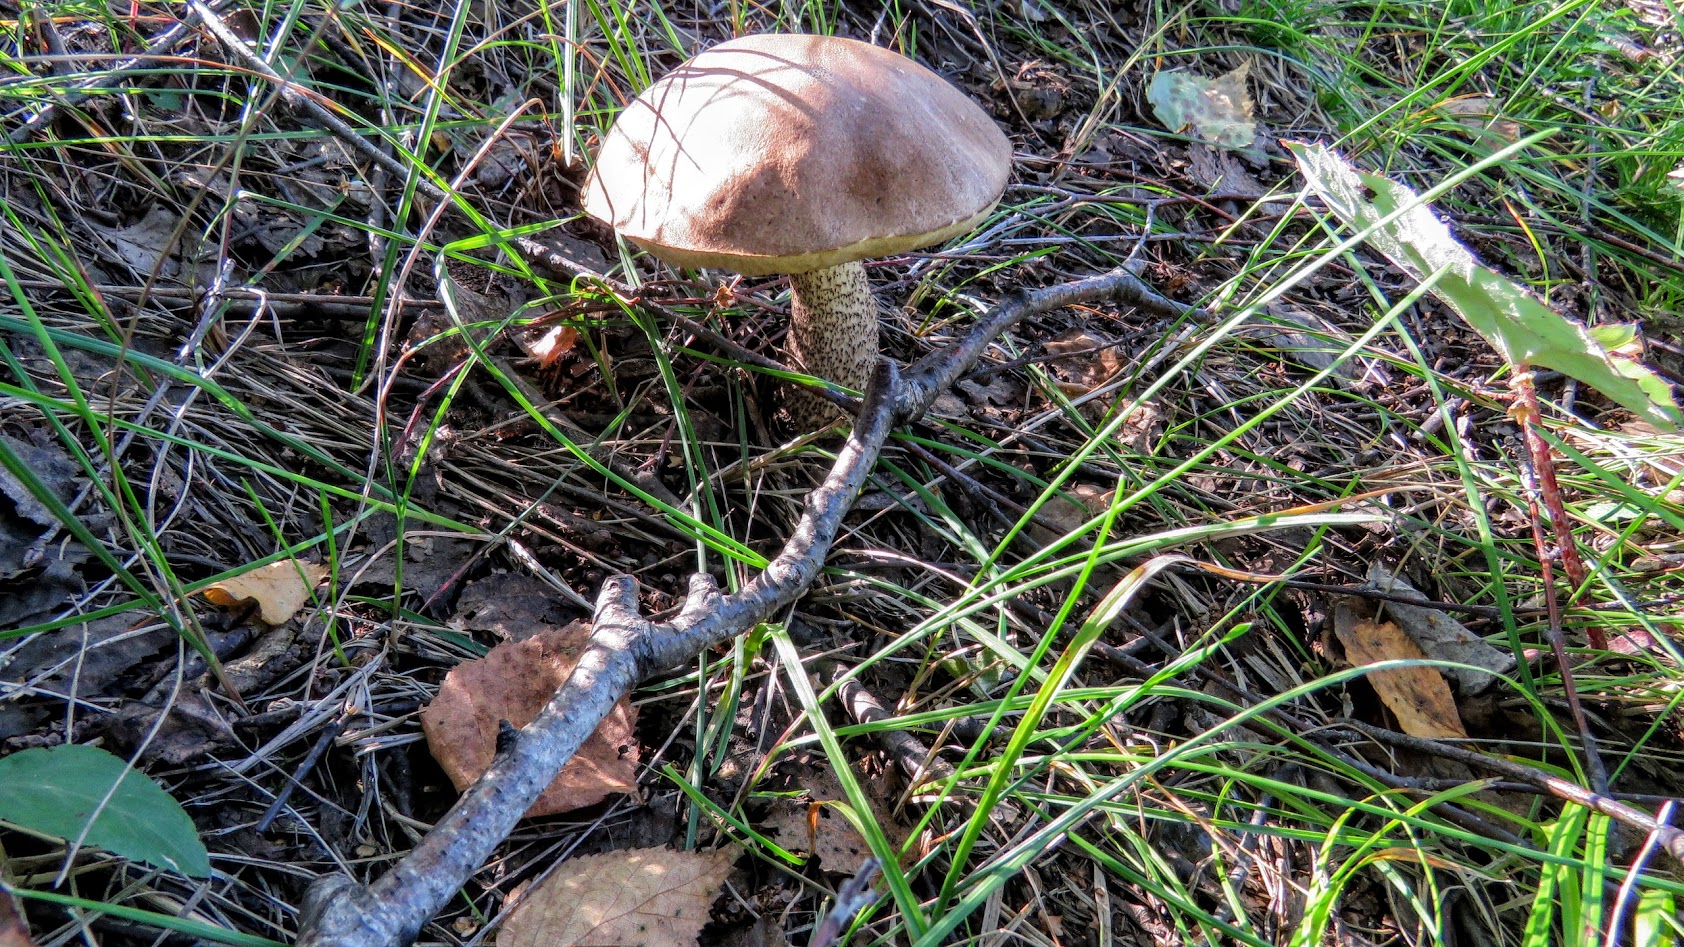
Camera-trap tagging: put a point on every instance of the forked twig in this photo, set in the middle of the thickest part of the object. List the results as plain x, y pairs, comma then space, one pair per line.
626, 649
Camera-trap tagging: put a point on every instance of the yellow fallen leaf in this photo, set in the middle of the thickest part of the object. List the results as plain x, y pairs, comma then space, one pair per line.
645, 897
1419, 696
280, 589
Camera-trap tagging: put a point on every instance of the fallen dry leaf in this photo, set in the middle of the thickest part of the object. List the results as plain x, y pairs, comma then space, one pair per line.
1066, 512
280, 589
644, 897
818, 826
1419, 696
1440, 636
513, 682
1082, 361
549, 343
1216, 111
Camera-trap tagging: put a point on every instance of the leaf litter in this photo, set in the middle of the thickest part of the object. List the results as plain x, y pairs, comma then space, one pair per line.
509, 686
277, 590
486, 466
650, 897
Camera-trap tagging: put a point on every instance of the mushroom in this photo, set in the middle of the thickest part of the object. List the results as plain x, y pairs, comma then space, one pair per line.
784, 153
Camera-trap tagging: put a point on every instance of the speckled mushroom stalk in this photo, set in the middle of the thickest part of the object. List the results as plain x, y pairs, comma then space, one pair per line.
832, 335
799, 154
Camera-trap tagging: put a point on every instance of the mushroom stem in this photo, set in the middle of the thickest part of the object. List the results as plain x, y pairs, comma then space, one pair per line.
832, 334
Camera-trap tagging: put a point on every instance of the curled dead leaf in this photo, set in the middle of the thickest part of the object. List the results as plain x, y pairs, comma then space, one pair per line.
1440, 636
280, 589
820, 824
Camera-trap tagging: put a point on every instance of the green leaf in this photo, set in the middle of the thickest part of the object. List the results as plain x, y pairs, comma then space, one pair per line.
1216, 111
1656, 921
56, 791
1399, 225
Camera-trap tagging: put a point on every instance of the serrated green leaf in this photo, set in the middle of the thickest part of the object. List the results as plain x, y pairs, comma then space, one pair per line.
55, 791
1527, 332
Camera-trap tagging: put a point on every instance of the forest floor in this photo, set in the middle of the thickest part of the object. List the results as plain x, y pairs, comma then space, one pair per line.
1113, 593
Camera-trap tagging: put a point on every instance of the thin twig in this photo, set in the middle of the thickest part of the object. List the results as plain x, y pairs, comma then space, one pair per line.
625, 648
1670, 838
1316, 737
915, 760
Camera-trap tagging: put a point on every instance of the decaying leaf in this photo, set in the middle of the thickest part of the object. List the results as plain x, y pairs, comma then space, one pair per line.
1069, 510
1440, 636
548, 343
1308, 339
1479, 114
1419, 697
280, 589
511, 606
646, 897
513, 682
38, 566
1527, 332
1217, 110
819, 825
1082, 361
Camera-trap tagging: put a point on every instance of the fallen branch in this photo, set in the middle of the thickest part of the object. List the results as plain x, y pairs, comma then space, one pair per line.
626, 649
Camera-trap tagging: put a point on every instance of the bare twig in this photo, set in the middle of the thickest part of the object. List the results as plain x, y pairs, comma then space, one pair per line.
1315, 736
625, 648
909, 753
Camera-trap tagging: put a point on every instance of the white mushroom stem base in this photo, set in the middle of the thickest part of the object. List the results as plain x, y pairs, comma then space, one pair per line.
832, 335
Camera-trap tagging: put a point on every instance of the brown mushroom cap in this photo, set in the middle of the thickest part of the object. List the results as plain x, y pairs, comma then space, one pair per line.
784, 153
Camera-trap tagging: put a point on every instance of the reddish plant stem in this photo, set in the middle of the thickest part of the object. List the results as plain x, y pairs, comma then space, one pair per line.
1543, 484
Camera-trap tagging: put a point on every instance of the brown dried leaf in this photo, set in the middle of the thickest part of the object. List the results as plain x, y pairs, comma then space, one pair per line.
280, 589
647, 897
1066, 512
549, 343
1083, 361
1419, 696
1440, 636
817, 825
513, 682
511, 606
